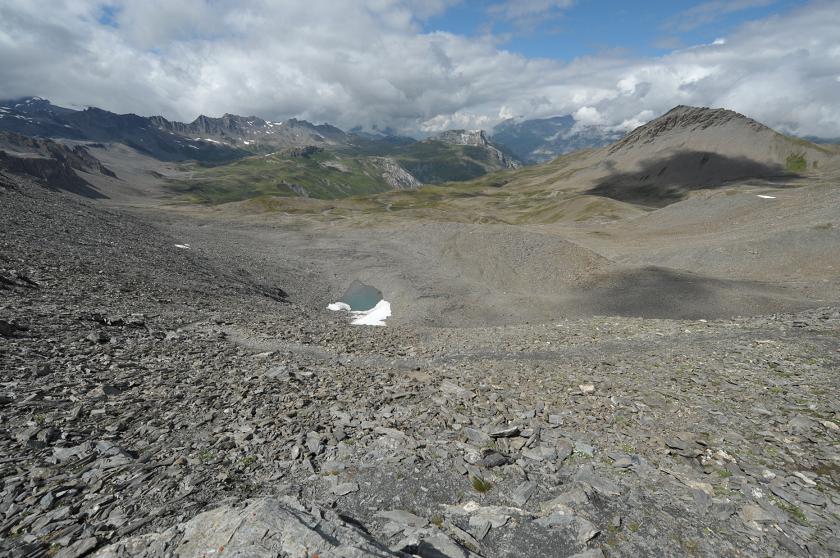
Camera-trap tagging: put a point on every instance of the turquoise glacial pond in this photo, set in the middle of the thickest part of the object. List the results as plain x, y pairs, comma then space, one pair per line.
360, 297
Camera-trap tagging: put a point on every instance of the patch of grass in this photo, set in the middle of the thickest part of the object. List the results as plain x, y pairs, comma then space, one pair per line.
794, 511
796, 162
480, 485
248, 460
437, 521
724, 473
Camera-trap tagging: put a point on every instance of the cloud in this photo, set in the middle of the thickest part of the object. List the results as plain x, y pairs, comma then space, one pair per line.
368, 62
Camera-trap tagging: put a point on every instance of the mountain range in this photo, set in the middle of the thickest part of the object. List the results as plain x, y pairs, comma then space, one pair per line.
235, 158
347, 163
231, 136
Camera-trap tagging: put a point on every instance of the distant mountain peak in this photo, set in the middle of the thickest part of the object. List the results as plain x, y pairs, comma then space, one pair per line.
542, 139
24, 101
477, 138
463, 137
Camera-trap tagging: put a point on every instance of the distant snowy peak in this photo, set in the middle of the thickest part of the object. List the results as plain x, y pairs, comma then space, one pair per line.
238, 130
33, 106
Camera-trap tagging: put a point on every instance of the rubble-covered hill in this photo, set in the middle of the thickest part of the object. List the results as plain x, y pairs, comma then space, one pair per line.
689, 148
54, 164
158, 400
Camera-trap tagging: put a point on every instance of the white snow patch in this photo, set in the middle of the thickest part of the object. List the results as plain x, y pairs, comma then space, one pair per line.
183, 246
376, 316
766, 197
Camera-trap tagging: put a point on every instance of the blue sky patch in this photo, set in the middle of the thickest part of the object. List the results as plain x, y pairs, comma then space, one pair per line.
591, 27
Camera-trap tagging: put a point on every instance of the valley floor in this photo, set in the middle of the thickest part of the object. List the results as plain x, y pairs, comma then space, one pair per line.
143, 384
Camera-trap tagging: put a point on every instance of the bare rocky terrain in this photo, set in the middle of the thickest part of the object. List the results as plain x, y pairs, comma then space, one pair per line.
659, 385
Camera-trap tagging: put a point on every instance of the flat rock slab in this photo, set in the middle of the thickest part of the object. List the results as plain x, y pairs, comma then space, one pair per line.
262, 528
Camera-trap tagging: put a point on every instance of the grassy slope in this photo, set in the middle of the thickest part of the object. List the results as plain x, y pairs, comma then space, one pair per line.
536, 194
281, 175
552, 192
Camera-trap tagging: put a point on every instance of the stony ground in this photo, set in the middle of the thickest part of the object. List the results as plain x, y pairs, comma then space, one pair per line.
143, 384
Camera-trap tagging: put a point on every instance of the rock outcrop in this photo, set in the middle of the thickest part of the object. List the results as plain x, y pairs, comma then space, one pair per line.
260, 528
396, 176
54, 164
477, 138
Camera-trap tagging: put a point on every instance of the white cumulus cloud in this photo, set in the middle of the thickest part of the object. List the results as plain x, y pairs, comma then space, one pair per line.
369, 62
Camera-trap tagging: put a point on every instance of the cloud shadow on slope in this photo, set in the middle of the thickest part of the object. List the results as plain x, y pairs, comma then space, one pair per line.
666, 180
656, 292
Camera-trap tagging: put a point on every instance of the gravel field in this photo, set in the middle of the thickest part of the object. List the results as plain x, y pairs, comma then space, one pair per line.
164, 401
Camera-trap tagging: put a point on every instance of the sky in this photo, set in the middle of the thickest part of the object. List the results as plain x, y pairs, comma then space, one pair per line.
420, 66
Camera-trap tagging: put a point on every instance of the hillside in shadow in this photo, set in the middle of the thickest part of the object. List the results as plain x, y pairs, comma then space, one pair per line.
656, 292
52, 173
662, 181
